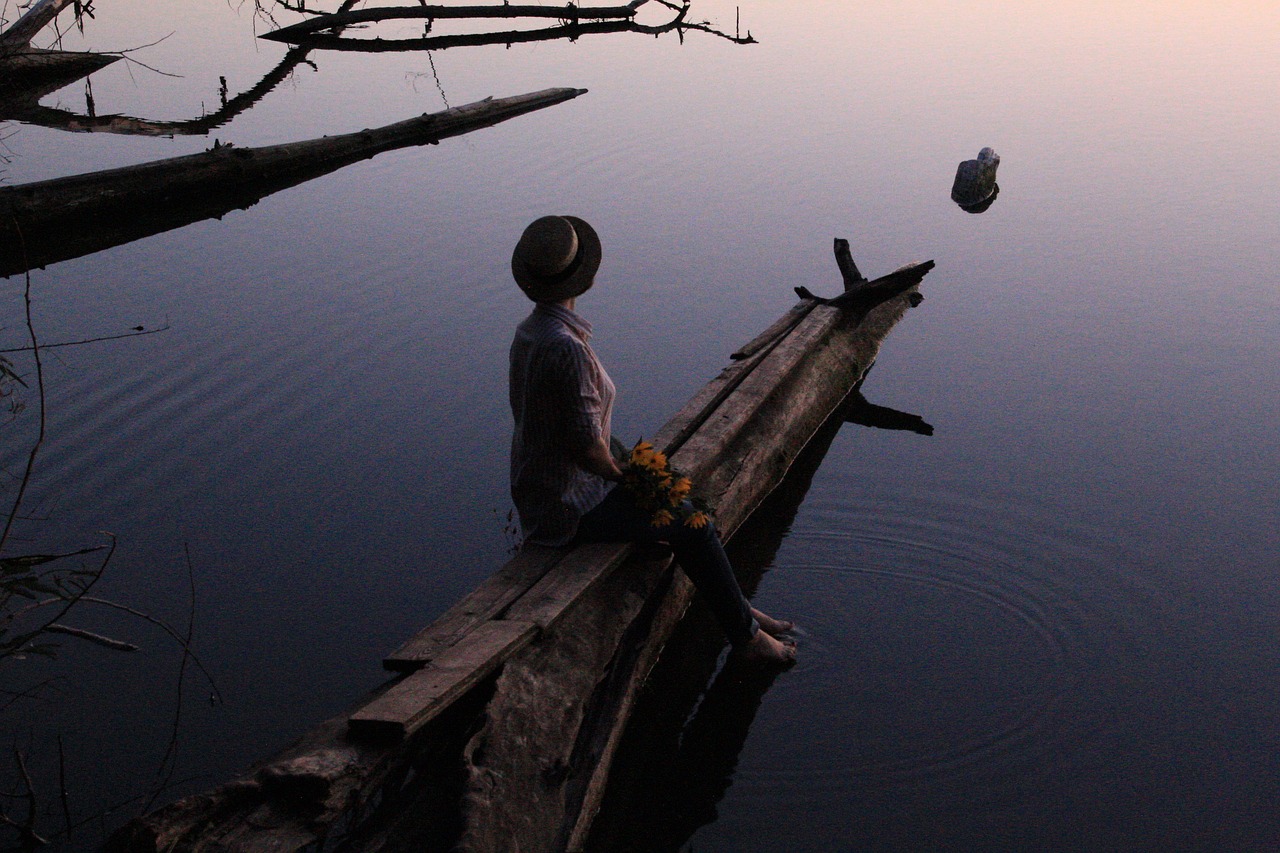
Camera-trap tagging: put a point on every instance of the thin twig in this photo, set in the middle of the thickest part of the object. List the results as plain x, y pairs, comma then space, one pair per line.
169, 763
136, 333
65, 602
118, 645
27, 829
35, 353
62, 787
164, 626
18, 695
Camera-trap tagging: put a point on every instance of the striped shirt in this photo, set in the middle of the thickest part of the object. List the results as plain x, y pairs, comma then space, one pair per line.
562, 402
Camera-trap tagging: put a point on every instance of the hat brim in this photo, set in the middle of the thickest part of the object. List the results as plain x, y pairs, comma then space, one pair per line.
578, 281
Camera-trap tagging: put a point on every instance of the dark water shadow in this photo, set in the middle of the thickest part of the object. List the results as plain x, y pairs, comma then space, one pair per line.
681, 747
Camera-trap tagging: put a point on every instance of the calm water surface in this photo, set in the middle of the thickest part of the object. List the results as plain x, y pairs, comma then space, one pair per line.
1050, 625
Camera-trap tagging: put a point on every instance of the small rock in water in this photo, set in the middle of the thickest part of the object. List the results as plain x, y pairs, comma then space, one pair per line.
976, 180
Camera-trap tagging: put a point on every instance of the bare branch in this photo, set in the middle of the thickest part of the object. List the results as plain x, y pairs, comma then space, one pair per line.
169, 763
118, 645
162, 625
35, 448
138, 331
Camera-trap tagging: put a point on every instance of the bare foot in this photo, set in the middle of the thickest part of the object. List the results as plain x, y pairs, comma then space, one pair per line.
767, 649
771, 626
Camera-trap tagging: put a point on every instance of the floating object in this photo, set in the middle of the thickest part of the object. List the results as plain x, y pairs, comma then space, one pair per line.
975, 185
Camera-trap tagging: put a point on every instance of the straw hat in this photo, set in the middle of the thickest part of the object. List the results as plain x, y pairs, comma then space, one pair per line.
556, 258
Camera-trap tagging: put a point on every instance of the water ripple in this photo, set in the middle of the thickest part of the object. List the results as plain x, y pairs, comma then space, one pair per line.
954, 638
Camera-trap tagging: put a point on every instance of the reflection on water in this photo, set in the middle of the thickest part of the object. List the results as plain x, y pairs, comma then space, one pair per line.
1049, 624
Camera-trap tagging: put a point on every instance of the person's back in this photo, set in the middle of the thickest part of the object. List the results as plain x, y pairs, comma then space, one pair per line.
561, 402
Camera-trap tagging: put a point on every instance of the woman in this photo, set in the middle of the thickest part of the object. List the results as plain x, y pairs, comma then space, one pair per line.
563, 476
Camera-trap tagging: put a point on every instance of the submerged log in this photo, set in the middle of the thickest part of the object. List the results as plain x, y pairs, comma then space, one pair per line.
544, 662
49, 221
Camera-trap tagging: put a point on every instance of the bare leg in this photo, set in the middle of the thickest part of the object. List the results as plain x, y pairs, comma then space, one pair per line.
771, 626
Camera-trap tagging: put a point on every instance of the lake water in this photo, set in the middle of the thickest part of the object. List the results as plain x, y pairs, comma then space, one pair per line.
1050, 625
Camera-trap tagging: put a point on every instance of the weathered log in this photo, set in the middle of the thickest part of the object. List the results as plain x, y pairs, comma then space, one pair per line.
49, 221
568, 12
583, 22
570, 634
740, 448
36, 18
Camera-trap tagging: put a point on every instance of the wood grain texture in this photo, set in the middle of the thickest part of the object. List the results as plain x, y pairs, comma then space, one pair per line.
412, 702
487, 601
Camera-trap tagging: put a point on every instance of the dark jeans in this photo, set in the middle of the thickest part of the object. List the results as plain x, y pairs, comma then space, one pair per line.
697, 550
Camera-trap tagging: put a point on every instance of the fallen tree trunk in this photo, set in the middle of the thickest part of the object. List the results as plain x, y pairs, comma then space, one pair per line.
585, 21
570, 696
544, 661
569, 12
49, 221
39, 16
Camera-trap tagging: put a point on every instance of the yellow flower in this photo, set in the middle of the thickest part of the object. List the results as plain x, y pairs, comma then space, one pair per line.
642, 454
697, 521
680, 490
662, 518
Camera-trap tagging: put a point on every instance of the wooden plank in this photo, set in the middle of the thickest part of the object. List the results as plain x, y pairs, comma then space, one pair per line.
582, 569
410, 704
703, 450
487, 601
780, 327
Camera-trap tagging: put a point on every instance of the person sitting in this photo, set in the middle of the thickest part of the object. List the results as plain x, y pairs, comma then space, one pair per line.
564, 480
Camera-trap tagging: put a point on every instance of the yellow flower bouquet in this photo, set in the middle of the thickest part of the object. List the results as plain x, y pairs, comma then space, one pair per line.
661, 490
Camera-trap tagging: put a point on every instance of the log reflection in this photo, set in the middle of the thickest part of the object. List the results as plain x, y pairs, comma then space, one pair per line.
28, 110
44, 72
681, 748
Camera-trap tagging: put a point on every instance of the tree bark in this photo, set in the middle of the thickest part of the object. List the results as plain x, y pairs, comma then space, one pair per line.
40, 15
49, 221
